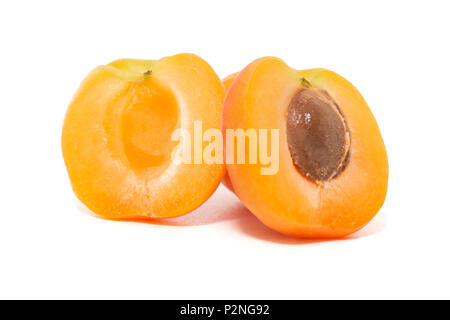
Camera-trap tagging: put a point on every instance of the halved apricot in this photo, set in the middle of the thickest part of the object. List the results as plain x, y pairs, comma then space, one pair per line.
117, 137
333, 170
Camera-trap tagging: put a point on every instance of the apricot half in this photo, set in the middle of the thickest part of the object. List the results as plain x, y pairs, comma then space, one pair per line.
117, 139
332, 173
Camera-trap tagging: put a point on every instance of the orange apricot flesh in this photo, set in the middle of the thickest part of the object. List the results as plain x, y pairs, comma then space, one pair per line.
291, 201
116, 138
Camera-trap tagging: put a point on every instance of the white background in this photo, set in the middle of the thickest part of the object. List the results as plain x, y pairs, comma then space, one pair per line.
395, 52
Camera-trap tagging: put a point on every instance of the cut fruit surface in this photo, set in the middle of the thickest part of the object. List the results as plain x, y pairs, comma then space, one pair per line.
333, 169
117, 137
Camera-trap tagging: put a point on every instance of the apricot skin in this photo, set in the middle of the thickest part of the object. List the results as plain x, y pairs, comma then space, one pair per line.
119, 173
227, 81
287, 201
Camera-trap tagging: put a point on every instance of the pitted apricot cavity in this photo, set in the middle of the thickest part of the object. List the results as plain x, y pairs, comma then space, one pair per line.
152, 114
317, 134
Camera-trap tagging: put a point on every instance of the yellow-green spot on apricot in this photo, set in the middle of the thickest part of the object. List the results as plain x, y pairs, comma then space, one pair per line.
147, 74
305, 83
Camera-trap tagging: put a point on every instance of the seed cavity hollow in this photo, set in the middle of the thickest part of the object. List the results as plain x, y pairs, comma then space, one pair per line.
317, 134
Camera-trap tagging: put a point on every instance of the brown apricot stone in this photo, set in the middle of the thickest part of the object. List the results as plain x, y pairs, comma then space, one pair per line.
317, 134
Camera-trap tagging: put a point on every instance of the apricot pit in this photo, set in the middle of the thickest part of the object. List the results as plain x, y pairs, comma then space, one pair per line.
317, 134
